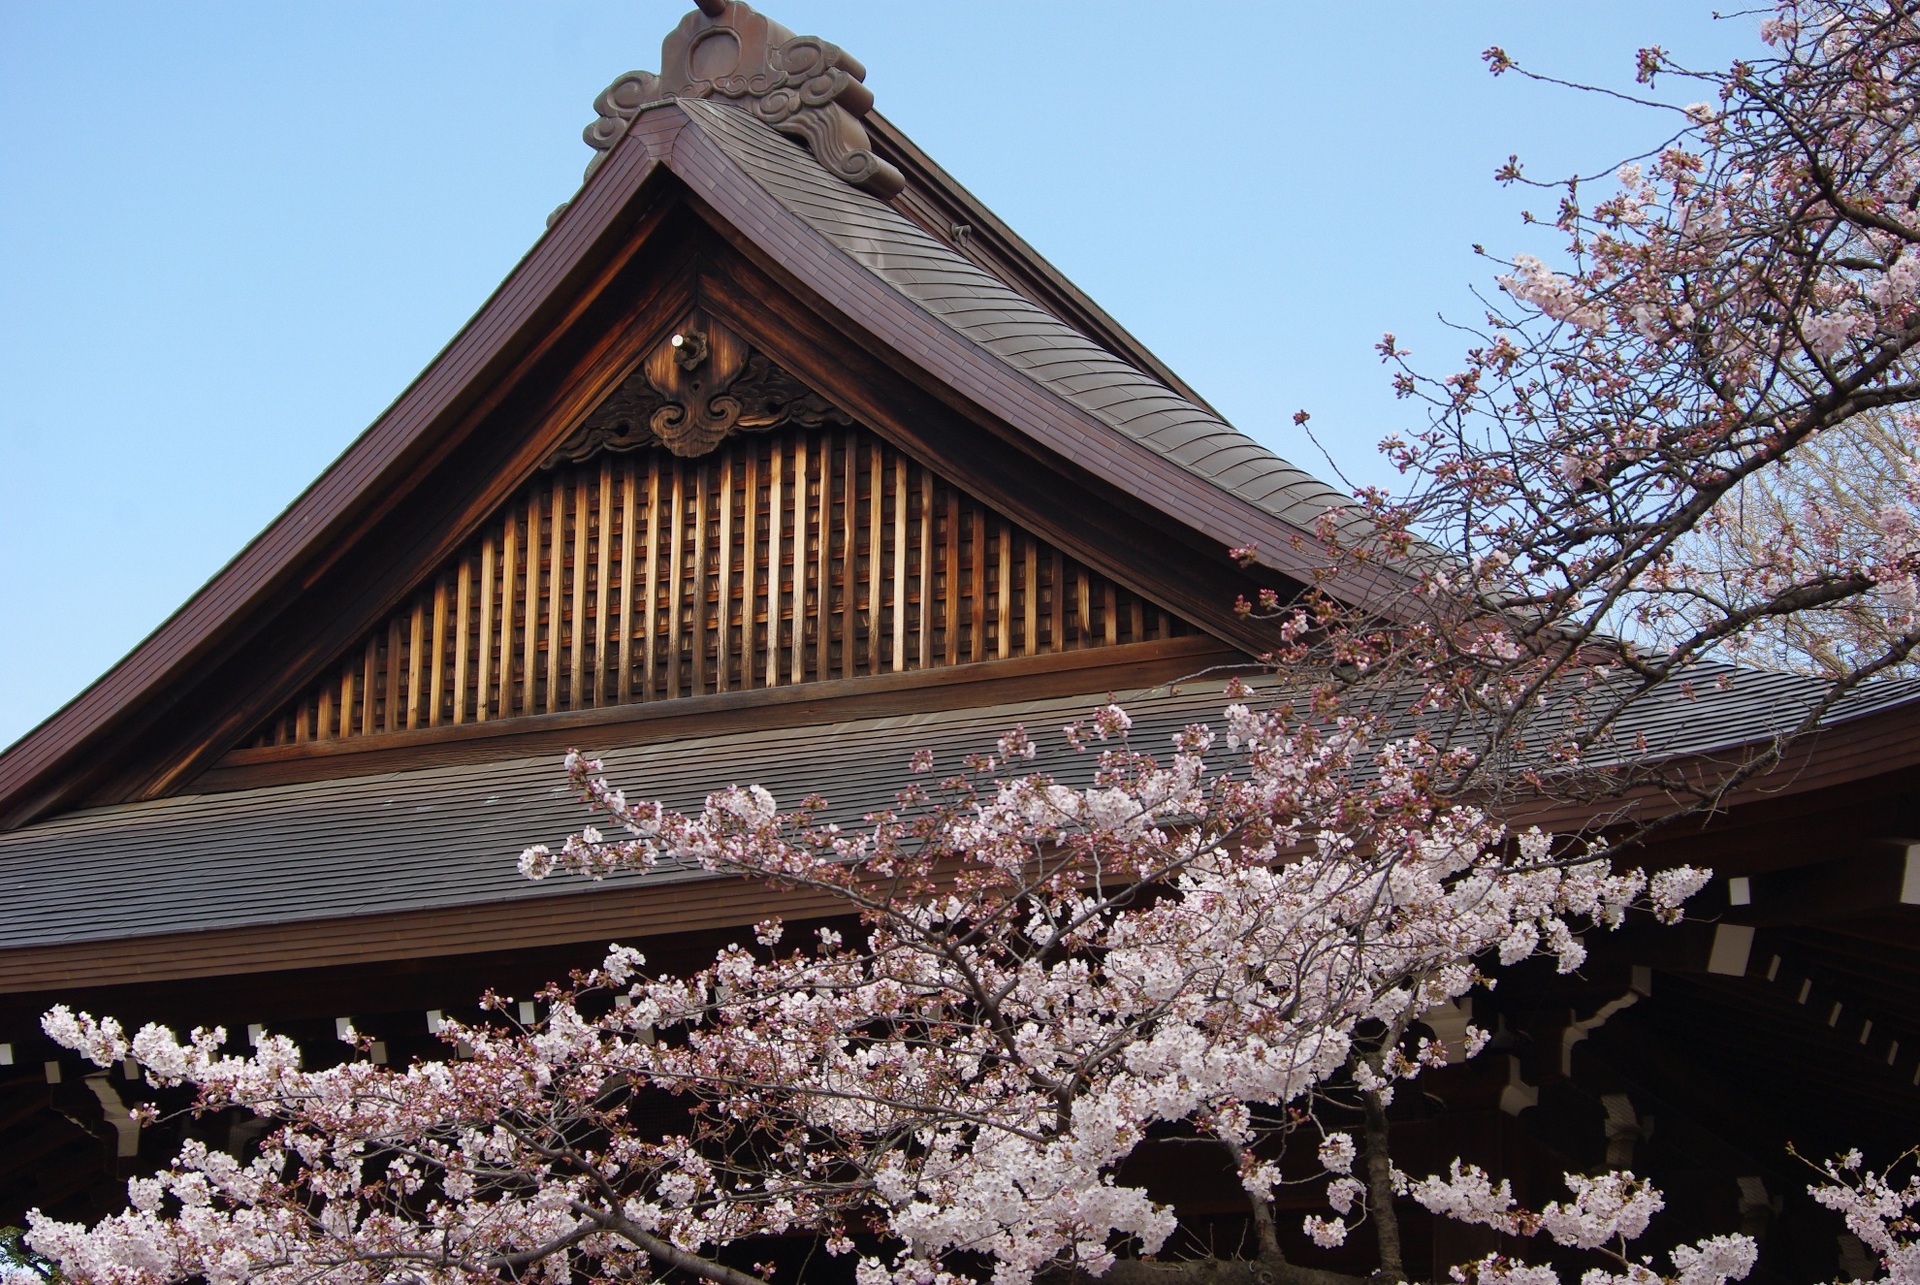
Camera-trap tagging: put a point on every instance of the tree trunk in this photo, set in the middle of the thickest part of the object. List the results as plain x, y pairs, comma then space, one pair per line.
1386, 1223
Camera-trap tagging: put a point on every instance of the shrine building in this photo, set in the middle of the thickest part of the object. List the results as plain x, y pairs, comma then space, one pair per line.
777, 458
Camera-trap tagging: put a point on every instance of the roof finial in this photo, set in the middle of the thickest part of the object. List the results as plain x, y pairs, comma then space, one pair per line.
802, 86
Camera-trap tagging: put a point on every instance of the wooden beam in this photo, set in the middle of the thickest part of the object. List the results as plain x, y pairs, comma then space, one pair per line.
697, 579
578, 611
849, 478
1003, 615
1029, 595
462, 637
775, 508
655, 495
603, 617
924, 616
676, 578
1127, 667
436, 669
483, 677
898, 659
723, 585
749, 566
530, 601
556, 596
416, 669
629, 551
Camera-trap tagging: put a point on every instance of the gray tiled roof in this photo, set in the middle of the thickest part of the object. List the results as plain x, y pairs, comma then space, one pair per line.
448, 836
444, 836
982, 309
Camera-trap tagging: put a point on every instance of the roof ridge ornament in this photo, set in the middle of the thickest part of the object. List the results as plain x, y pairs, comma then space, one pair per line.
802, 86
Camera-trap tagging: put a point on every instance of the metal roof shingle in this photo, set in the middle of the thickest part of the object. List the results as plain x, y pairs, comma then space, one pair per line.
951, 287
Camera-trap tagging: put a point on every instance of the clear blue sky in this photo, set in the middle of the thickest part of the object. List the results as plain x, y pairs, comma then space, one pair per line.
231, 233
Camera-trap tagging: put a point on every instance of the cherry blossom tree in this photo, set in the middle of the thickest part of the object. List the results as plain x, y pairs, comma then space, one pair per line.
1858, 478
1228, 945
1710, 323
1035, 968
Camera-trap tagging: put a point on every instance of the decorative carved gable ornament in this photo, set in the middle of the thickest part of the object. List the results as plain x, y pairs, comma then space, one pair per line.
700, 386
802, 86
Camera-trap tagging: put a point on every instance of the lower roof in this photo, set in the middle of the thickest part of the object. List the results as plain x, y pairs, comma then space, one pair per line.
449, 836
445, 837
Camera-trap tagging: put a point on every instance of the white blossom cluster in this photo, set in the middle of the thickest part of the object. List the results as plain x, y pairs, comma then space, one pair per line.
1043, 974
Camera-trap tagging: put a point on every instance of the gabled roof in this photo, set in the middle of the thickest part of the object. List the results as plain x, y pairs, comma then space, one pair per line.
938, 202
911, 301
1001, 323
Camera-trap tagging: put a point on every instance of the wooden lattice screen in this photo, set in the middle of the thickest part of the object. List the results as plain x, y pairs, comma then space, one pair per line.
781, 558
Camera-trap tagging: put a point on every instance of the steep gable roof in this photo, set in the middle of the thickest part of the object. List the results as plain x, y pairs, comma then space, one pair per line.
938, 202
1005, 324
912, 302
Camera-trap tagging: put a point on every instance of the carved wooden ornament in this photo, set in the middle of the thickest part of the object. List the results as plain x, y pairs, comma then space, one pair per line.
802, 86
701, 385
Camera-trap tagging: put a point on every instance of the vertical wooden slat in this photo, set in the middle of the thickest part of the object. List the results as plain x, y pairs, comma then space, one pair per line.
462, 604
577, 598
439, 668
850, 560
416, 646
629, 550
876, 552
723, 604
698, 640
885, 580
512, 605
977, 634
553, 596
775, 467
676, 573
483, 678
1057, 590
898, 660
925, 615
653, 572
1005, 541
1085, 603
392, 712
368, 694
749, 559
817, 613
1030, 595
602, 585
950, 599
533, 604
812, 506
